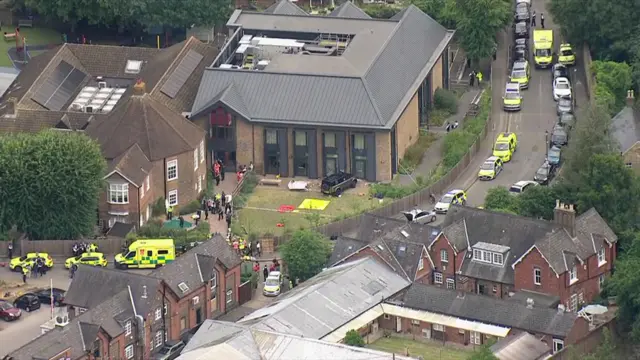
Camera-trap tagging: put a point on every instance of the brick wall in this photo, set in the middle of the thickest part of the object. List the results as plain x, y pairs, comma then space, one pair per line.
104, 207
582, 341
448, 268
383, 156
524, 272
424, 275
407, 131
436, 76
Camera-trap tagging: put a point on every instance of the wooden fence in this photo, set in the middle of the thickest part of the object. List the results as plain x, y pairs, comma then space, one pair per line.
245, 292
111, 245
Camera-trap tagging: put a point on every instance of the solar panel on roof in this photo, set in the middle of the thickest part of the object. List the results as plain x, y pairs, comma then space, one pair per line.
58, 88
180, 75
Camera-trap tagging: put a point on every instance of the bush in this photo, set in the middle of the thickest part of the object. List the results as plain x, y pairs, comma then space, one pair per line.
154, 230
414, 153
158, 209
248, 185
190, 208
380, 11
445, 100
613, 79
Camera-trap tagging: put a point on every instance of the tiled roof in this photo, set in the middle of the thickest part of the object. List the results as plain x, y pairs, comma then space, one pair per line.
285, 7
625, 127
343, 247
132, 164
349, 10
487, 309
523, 346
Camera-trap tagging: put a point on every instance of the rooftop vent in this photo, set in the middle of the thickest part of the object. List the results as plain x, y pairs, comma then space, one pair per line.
133, 67
183, 287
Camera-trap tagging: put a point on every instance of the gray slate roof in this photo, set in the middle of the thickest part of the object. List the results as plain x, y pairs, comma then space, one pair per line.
349, 10
333, 297
523, 346
539, 299
285, 7
343, 247
369, 85
625, 127
493, 310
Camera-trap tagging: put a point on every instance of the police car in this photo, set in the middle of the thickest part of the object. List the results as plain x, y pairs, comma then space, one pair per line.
456, 197
512, 99
566, 56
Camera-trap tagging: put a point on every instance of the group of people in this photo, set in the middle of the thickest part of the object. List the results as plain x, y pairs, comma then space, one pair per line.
33, 269
533, 19
246, 249
274, 266
221, 204
83, 247
242, 169
475, 75
448, 126
218, 171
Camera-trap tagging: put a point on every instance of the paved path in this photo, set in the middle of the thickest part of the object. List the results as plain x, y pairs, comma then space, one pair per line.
228, 185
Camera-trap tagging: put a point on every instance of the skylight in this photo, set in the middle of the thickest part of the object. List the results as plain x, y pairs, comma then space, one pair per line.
133, 66
183, 287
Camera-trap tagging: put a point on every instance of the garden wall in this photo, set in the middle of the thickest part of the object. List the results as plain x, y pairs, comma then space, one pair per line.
586, 65
111, 245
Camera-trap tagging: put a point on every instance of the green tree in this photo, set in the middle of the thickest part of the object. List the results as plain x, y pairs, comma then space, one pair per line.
499, 198
615, 77
625, 285
438, 10
353, 338
606, 350
186, 13
538, 202
477, 23
305, 254
50, 183
483, 353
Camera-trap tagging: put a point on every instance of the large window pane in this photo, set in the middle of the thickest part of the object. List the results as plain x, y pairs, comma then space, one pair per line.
271, 137
329, 140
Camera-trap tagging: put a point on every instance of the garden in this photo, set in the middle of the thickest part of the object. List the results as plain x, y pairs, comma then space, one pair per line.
34, 37
424, 350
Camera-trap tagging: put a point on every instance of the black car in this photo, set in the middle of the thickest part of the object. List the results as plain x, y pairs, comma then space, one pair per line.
521, 30
522, 12
545, 174
559, 70
27, 302
169, 351
564, 105
44, 296
337, 183
567, 120
559, 136
520, 51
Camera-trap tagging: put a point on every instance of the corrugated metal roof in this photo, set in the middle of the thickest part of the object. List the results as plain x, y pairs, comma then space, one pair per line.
329, 300
362, 320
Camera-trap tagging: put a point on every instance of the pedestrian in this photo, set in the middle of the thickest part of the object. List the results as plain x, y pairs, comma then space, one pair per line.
256, 267
181, 219
250, 165
223, 198
206, 213
74, 268
220, 213
265, 273
93, 247
447, 126
479, 77
472, 77
455, 125
221, 170
533, 19
10, 249
228, 221
235, 245
542, 20
258, 248
170, 213
242, 246
25, 274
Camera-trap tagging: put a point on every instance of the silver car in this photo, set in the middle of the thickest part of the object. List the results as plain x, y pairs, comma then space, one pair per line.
420, 216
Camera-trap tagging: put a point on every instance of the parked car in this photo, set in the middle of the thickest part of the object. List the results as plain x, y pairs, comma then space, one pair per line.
44, 296
521, 30
559, 71
567, 120
559, 136
545, 173
554, 155
337, 183
561, 88
169, 351
564, 105
8, 312
455, 197
521, 49
28, 302
522, 12
522, 186
420, 216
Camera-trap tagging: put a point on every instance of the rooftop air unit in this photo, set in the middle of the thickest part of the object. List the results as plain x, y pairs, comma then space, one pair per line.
226, 66
89, 109
77, 107
246, 39
120, 91
102, 84
81, 101
262, 64
106, 108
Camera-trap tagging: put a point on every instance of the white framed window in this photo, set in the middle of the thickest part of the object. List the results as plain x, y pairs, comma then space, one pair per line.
148, 212
172, 170
486, 256
158, 338
497, 259
158, 314
151, 344
438, 327
196, 161
127, 328
420, 264
437, 278
173, 197
133, 66
477, 254
199, 183
573, 304
580, 297
476, 338
165, 309
214, 282
229, 296
128, 352
141, 192
601, 279
119, 193
202, 151
444, 255
602, 258
537, 276
557, 345
148, 182
573, 275
451, 284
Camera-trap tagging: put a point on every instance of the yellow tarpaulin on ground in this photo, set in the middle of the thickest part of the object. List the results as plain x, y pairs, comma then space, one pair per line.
314, 204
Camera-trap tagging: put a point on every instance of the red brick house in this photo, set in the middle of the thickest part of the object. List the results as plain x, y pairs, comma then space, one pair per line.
499, 254
146, 310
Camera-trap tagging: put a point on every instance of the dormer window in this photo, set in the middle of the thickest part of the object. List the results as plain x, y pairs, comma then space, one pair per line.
490, 253
133, 67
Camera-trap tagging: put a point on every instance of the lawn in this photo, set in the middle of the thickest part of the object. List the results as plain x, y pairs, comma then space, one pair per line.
34, 36
260, 215
427, 350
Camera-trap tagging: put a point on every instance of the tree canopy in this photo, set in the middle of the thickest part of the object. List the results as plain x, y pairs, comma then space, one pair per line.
50, 183
353, 338
305, 254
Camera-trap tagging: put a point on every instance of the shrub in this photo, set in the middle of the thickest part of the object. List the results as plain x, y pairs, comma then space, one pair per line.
393, 191
190, 208
445, 100
248, 185
154, 230
413, 155
380, 11
158, 209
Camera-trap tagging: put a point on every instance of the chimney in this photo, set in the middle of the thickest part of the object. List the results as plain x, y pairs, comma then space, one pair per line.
529, 303
140, 88
630, 98
565, 216
144, 291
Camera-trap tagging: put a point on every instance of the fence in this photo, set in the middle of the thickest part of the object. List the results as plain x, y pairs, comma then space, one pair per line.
588, 74
245, 292
63, 247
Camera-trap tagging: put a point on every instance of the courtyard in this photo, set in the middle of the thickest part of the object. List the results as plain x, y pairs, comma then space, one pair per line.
36, 37
426, 350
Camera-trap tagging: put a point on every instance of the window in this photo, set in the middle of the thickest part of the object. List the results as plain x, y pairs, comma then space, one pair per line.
202, 151
580, 297
158, 338
437, 278
183, 323
438, 327
573, 302
148, 182
158, 314
486, 257
133, 66
602, 258
497, 259
358, 142
195, 159
271, 137
329, 140
229, 296
537, 276
199, 185
165, 309
476, 338
601, 279
451, 284
119, 193
494, 289
301, 138
173, 197
151, 344
420, 264
573, 275
172, 170
477, 255
444, 255
214, 283
163, 252
127, 328
557, 345
128, 352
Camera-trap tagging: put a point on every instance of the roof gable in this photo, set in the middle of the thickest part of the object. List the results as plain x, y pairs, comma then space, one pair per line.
285, 7
133, 165
349, 10
625, 127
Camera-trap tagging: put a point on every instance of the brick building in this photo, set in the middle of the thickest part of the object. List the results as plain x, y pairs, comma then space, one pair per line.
146, 310
152, 151
625, 130
303, 95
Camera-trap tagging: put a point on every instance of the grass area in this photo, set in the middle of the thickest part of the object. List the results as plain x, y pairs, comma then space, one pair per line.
413, 154
427, 350
437, 117
34, 36
260, 215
